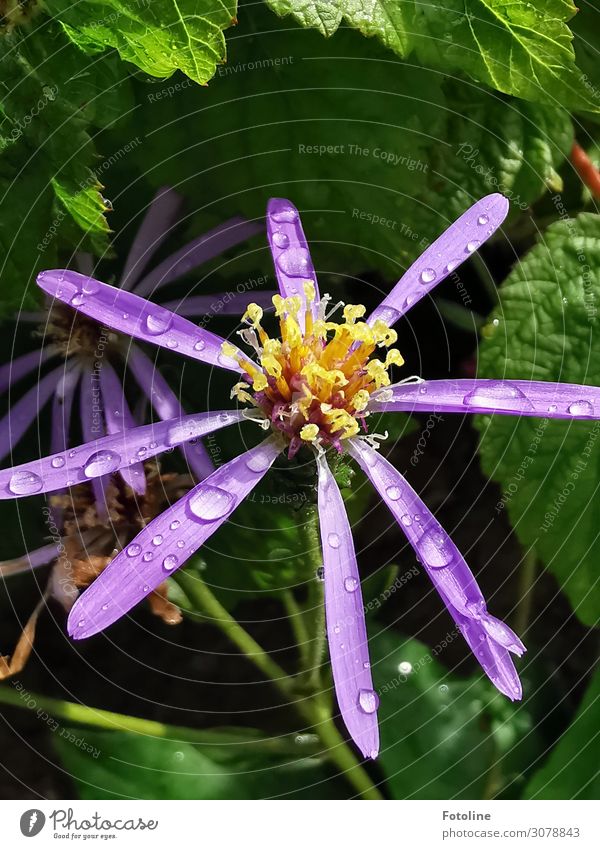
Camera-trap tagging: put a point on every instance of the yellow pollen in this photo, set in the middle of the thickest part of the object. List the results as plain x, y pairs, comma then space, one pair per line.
309, 432
353, 311
309, 291
384, 335
253, 315
360, 400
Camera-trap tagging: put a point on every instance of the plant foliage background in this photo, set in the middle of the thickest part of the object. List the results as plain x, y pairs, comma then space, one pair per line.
382, 121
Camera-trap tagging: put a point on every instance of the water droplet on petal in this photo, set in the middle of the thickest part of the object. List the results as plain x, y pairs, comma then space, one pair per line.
147, 556
285, 216
174, 524
393, 493
333, 540
580, 408
180, 543
141, 451
210, 503
406, 520
171, 343
101, 463
90, 286
472, 246
77, 300
368, 701
350, 584
428, 275
280, 240
295, 262
434, 547
157, 540
158, 322
133, 550
390, 315
57, 462
483, 219
336, 629
200, 345
259, 461
366, 665
25, 483
454, 263
498, 395
170, 562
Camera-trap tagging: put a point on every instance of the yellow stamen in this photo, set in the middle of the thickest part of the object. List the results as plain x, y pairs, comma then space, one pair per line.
309, 432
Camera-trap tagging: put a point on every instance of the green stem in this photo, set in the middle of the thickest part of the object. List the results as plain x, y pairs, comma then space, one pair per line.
296, 618
527, 576
315, 605
313, 710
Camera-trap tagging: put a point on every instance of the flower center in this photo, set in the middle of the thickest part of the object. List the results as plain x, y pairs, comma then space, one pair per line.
314, 385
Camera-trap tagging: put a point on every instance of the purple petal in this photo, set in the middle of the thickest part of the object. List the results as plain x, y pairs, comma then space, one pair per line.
223, 303
162, 214
118, 417
169, 540
291, 255
135, 316
346, 630
23, 412
490, 639
93, 428
14, 370
62, 407
512, 397
30, 560
167, 406
454, 246
109, 454
199, 251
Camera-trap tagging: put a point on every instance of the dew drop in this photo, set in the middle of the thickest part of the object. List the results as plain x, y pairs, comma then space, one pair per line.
295, 262
157, 540
393, 493
101, 463
174, 524
454, 263
200, 345
284, 216
333, 540
498, 395
142, 451
428, 275
405, 667
158, 322
81, 623
180, 543
552, 408
350, 584
368, 701
483, 219
336, 629
259, 461
105, 606
133, 550
147, 557
170, 562
406, 520
472, 246
366, 665
171, 343
77, 300
25, 483
90, 286
280, 240
57, 462
434, 548
580, 408
209, 503
390, 315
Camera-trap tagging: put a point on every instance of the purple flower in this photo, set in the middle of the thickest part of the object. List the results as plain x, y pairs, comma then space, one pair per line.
86, 350
315, 385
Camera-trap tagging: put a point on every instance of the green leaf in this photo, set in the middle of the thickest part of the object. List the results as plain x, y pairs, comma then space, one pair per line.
514, 46
114, 765
158, 36
51, 97
443, 737
549, 471
571, 770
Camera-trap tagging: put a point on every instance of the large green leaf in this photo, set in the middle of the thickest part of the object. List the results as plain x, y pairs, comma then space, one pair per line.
571, 770
443, 737
159, 36
549, 471
116, 765
514, 46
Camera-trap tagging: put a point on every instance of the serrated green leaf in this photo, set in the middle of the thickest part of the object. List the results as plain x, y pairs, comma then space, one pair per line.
571, 770
158, 36
549, 471
514, 46
116, 765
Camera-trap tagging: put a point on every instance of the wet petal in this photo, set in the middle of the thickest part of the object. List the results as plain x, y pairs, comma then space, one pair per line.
118, 417
199, 251
162, 214
454, 246
167, 406
512, 397
60, 423
135, 316
17, 368
108, 454
346, 631
489, 638
169, 540
24, 411
92, 428
289, 248
223, 303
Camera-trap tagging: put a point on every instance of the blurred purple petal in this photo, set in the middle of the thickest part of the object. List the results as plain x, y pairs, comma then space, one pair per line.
108, 454
62, 406
451, 249
163, 212
169, 540
18, 367
30, 560
346, 631
135, 316
291, 256
513, 397
223, 303
199, 251
167, 406
490, 639
92, 428
24, 411
117, 416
